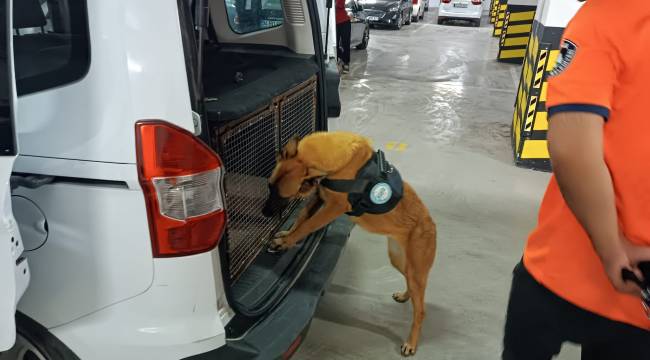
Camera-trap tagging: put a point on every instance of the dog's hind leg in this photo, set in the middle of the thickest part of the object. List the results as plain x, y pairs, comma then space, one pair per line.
420, 256
398, 260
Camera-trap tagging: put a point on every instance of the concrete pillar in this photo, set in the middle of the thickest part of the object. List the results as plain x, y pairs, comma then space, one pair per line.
530, 120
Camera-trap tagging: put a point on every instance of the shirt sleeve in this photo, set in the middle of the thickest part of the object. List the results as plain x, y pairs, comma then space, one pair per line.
585, 74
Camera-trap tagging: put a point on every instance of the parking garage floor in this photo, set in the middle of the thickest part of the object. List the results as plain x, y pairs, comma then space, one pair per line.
435, 99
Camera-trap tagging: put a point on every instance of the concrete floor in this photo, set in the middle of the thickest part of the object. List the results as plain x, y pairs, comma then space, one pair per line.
434, 98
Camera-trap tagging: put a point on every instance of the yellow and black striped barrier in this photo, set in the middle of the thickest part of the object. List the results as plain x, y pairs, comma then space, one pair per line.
530, 119
501, 7
494, 11
517, 26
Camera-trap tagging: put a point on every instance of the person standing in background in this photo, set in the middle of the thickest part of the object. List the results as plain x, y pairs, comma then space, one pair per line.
343, 33
594, 222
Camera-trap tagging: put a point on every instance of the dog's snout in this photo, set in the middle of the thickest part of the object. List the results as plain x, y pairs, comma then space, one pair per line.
274, 203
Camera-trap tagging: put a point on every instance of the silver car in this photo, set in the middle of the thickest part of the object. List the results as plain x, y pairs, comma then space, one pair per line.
360, 36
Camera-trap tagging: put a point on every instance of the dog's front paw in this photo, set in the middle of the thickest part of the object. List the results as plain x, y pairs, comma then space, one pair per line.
401, 297
281, 234
408, 349
279, 244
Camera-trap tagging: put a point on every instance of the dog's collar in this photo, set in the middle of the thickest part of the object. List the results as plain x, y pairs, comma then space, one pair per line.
355, 186
376, 189
359, 185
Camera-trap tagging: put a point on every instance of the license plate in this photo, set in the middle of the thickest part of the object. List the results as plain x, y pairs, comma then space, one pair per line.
460, 5
373, 18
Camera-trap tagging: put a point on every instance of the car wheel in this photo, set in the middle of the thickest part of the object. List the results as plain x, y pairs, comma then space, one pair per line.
400, 21
477, 23
416, 18
409, 19
441, 21
366, 39
34, 342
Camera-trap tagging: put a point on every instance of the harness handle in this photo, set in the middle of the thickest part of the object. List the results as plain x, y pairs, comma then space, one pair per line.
381, 162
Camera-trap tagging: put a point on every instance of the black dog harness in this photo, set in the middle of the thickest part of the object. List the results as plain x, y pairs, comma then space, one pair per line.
376, 189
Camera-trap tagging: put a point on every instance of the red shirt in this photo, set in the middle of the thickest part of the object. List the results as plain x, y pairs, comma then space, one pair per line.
341, 14
602, 69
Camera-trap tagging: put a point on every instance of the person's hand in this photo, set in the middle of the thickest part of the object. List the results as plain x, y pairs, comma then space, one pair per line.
636, 254
614, 266
629, 258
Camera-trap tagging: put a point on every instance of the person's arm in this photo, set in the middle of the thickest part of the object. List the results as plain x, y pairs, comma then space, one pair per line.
575, 142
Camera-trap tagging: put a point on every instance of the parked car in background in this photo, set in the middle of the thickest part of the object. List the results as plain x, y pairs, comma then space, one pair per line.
418, 10
470, 10
393, 13
360, 36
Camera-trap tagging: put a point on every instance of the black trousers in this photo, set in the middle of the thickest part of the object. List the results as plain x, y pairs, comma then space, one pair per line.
539, 322
343, 33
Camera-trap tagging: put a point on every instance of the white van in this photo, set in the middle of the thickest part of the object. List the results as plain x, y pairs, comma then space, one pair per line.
147, 130
14, 269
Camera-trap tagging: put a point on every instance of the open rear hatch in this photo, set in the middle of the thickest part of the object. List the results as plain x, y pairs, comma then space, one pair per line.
256, 100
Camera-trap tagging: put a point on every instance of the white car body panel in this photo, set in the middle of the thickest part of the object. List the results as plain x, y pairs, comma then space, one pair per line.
135, 73
453, 10
81, 169
14, 274
176, 318
96, 285
97, 253
14, 278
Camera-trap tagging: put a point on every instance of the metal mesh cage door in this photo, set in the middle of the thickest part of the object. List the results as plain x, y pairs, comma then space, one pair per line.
248, 149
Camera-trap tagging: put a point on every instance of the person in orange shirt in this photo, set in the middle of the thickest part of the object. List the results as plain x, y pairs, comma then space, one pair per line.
594, 221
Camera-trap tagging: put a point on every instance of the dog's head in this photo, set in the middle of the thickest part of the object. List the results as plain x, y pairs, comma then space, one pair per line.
290, 179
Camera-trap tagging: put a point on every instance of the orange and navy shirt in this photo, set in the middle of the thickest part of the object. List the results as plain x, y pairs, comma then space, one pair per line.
603, 69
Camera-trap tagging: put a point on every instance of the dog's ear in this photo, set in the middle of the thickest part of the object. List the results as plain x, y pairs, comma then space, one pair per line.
290, 150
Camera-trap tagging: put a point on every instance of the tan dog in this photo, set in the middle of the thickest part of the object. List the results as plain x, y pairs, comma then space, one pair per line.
411, 232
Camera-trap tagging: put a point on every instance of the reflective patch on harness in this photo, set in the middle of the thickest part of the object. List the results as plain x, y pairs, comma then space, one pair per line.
381, 193
567, 53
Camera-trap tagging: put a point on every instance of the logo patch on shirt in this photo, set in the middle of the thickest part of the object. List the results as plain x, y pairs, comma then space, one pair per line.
567, 53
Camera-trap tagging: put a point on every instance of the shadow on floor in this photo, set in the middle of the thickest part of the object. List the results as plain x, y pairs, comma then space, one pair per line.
392, 320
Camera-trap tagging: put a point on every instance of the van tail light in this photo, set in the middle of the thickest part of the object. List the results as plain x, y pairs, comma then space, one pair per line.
477, 2
445, 1
415, 2
181, 178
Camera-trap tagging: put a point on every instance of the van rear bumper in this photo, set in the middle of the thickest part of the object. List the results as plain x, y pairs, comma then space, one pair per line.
282, 331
